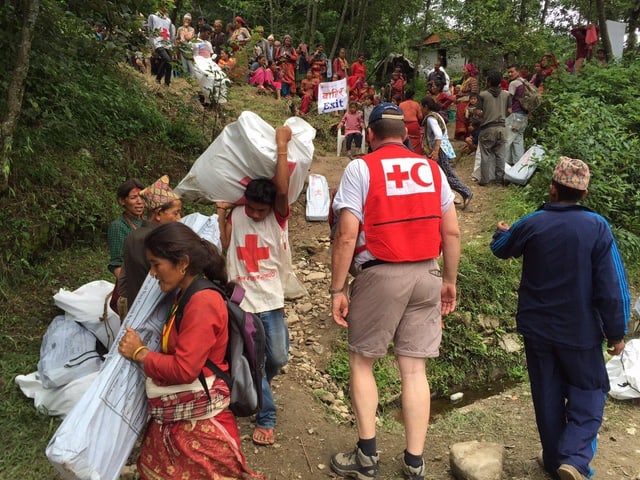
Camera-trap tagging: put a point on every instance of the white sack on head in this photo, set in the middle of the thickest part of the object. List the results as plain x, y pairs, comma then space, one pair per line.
245, 150
212, 80
86, 305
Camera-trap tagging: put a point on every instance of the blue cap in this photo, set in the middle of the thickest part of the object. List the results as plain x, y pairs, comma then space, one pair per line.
386, 110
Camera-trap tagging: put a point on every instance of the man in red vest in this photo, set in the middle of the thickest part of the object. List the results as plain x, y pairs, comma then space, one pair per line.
395, 217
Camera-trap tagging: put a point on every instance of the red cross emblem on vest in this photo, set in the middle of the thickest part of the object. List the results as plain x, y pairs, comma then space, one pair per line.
251, 253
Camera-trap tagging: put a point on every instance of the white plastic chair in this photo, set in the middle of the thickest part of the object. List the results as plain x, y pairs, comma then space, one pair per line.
342, 140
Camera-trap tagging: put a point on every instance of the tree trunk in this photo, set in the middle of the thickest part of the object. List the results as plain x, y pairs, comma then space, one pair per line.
632, 38
271, 23
545, 9
307, 23
523, 12
604, 31
15, 92
362, 17
177, 7
314, 24
427, 16
336, 39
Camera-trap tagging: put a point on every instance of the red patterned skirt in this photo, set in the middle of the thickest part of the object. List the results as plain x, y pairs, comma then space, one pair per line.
200, 450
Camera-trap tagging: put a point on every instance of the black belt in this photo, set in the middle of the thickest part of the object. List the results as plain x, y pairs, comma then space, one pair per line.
372, 263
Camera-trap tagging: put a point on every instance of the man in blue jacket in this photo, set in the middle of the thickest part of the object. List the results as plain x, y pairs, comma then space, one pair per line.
573, 293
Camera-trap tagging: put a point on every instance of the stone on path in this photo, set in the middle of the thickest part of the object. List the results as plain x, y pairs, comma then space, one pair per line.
476, 460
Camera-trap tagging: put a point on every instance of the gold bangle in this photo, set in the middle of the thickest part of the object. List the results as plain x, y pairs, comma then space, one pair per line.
137, 351
282, 153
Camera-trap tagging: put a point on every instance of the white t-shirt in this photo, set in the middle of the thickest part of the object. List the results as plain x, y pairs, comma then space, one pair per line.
353, 191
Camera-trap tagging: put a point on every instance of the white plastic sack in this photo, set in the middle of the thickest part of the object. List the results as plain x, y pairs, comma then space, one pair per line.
521, 172
318, 199
54, 401
624, 372
212, 80
207, 227
68, 351
86, 305
245, 150
95, 439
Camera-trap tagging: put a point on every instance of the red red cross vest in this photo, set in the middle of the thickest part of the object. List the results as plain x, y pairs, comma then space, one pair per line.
402, 211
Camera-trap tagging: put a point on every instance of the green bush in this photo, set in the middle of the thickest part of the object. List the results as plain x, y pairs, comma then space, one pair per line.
594, 116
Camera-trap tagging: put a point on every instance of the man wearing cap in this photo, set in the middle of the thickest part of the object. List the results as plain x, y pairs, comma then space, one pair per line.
573, 293
163, 206
395, 216
271, 49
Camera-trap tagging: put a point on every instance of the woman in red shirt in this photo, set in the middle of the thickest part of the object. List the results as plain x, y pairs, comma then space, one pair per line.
189, 434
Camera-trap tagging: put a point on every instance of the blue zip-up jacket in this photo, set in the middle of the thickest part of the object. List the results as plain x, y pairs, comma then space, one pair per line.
573, 290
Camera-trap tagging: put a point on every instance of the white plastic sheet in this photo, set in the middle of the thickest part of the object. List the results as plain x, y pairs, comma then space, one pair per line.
95, 439
54, 401
318, 199
68, 351
624, 372
212, 80
86, 305
245, 150
521, 172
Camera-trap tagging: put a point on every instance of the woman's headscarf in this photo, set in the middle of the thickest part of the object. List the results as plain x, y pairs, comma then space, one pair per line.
471, 69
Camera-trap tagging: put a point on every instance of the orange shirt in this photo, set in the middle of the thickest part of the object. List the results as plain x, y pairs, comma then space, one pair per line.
411, 110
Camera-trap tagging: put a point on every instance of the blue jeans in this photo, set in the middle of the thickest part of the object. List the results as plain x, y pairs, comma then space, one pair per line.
277, 356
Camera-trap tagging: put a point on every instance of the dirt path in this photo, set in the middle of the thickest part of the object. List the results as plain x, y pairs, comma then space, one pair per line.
307, 433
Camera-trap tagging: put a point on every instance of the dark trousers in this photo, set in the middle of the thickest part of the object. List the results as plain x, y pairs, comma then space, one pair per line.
354, 137
454, 182
164, 68
568, 388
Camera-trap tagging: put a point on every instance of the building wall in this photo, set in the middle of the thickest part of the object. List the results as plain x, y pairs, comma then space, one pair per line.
428, 56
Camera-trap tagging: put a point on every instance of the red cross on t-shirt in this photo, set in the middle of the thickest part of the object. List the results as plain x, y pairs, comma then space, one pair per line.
397, 176
251, 253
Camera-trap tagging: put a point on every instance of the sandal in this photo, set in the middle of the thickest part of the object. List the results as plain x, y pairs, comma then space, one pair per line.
263, 436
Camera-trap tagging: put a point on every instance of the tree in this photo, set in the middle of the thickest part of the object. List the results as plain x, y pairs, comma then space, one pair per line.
336, 39
604, 31
15, 92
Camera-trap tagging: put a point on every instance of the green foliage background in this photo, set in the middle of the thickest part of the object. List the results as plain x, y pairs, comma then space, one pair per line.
88, 123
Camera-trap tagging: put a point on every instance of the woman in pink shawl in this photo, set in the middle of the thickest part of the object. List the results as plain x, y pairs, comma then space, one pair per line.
469, 85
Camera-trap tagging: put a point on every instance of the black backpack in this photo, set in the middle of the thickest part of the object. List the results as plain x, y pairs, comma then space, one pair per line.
245, 350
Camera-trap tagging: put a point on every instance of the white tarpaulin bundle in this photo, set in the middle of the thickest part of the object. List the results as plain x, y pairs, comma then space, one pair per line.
95, 439
56, 402
624, 372
86, 305
318, 199
524, 168
212, 80
246, 150
68, 351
